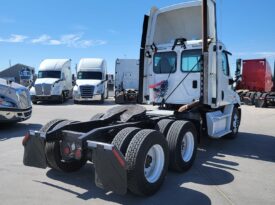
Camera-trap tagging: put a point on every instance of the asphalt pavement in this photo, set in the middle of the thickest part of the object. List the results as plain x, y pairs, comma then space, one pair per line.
239, 171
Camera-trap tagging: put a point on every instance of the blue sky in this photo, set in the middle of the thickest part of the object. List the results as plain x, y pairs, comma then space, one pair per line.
33, 30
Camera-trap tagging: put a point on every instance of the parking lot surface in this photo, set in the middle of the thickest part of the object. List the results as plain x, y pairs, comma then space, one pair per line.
239, 171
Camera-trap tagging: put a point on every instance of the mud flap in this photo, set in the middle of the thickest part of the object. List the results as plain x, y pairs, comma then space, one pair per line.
110, 167
34, 151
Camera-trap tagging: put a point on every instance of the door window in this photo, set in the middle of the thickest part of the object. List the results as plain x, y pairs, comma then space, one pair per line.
225, 64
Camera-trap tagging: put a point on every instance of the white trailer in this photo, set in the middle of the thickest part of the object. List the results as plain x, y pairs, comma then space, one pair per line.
126, 80
91, 83
132, 148
54, 81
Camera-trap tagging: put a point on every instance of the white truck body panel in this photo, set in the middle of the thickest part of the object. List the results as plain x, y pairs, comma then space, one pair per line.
127, 74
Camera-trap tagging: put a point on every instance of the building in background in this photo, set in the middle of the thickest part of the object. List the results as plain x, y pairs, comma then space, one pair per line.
19, 73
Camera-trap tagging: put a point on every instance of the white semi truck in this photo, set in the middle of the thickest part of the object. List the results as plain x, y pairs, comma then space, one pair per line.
15, 102
184, 69
54, 81
91, 83
126, 80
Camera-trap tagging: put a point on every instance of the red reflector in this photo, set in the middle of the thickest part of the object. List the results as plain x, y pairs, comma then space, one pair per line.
25, 139
78, 154
66, 150
120, 160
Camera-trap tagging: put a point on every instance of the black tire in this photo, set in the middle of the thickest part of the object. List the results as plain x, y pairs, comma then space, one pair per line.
34, 102
261, 101
102, 98
175, 137
107, 96
97, 116
62, 98
50, 125
53, 155
124, 137
76, 102
163, 126
135, 157
253, 97
234, 133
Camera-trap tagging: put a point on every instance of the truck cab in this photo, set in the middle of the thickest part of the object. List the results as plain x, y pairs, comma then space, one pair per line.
173, 59
91, 82
54, 81
15, 102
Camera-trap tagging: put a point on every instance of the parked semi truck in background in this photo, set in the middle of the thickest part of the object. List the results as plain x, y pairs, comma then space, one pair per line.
91, 83
15, 102
257, 86
132, 148
126, 80
54, 81
27, 77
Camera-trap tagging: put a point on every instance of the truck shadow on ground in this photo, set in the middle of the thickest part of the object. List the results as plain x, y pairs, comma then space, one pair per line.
211, 168
107, 102
12, 130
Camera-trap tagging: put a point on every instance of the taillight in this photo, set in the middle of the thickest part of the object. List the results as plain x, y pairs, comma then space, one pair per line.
118, 157
78, 154
26, 139
66, 151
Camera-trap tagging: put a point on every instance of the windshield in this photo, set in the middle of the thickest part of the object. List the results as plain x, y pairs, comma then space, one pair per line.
84, 75
49, 74
165, 62
25, 77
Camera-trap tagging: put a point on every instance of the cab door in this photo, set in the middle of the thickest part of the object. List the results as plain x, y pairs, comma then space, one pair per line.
226, 94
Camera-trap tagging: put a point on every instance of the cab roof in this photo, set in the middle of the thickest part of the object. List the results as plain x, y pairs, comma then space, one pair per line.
53, 64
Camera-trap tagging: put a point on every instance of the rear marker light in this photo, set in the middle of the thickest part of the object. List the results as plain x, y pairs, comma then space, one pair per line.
25, 139
66, 150
118, 157
78, 154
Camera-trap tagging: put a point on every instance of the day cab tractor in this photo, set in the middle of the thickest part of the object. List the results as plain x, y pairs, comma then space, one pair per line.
187, 70
256, 87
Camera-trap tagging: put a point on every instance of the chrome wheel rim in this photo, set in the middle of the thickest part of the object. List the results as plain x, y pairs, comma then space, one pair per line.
187, 146
154, 163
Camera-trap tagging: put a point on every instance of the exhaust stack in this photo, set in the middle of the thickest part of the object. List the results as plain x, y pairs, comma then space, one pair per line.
204, 73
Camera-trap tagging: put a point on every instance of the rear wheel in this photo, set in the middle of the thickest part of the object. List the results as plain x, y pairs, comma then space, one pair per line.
164, 125
147, 158
261, 101
53, 154
50, 125
62, 98
124, 137
182, 142
102, 98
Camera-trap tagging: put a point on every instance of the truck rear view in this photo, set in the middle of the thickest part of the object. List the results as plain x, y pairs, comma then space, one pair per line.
257, 83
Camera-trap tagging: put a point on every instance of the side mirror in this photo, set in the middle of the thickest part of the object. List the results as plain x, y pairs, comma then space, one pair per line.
73, 79
238, 69
231, 81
